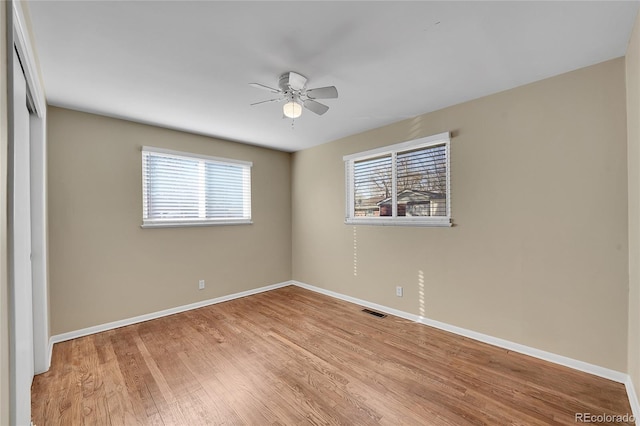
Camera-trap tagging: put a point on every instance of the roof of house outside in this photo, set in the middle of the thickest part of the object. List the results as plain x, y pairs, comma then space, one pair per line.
415, 197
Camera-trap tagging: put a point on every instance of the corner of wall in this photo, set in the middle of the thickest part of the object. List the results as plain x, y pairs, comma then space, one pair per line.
632, 71
291, 198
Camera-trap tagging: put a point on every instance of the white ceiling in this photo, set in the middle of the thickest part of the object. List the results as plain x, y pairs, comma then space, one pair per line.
186, 65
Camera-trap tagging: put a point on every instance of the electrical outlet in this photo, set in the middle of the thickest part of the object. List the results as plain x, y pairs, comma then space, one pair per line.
201, 284
399, 291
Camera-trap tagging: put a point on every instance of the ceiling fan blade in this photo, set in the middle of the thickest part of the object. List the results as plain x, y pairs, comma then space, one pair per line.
316, 107
297, 81
329, 92
263, 87
270, 100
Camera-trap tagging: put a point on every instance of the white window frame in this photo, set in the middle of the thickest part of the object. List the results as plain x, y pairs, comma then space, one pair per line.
393, 150
172, 223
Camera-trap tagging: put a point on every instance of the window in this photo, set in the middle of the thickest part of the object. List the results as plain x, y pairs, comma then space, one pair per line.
182, 189
403, 184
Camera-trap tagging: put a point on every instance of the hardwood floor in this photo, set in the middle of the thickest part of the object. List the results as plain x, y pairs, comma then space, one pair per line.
291, 356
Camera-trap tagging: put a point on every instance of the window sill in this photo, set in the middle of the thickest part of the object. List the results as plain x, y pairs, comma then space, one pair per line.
440, 223
184, 224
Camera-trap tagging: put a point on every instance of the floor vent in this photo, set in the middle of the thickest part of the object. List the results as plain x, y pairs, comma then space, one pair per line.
374, 313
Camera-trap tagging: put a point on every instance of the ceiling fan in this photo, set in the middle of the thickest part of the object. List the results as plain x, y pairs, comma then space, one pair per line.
292, 89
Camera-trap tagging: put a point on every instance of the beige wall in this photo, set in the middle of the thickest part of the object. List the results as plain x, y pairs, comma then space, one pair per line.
4, 315
632, 61
104, 267
538, 254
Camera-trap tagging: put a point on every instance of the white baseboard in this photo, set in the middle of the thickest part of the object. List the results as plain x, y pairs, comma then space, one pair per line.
614, 375
633, 398
146, 317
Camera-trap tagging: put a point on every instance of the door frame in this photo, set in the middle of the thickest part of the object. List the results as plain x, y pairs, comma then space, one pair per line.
22, 42
21, 280
19, 43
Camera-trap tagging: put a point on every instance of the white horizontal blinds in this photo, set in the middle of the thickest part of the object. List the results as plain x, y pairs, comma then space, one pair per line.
172, 187
422, 182
227, 191
372, 184
182, 189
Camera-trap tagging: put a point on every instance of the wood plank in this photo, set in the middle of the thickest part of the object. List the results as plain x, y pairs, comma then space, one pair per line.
291, 356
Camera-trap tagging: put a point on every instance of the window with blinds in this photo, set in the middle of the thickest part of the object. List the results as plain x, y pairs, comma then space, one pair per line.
371, 184
402, 184
183, 189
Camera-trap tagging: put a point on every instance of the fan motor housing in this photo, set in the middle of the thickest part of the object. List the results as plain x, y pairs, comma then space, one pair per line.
284, 82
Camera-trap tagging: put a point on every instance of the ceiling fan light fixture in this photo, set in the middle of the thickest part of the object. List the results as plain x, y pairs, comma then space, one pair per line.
294, 92
292, 109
